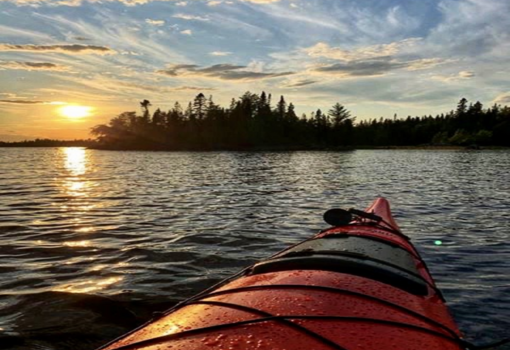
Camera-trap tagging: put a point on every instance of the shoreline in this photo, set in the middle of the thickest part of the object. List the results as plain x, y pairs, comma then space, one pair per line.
269, 149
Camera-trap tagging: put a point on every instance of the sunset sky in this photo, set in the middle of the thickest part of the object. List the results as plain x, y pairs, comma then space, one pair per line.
67, 65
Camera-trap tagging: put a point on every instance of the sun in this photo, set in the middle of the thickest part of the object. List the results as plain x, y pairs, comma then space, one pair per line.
75, 111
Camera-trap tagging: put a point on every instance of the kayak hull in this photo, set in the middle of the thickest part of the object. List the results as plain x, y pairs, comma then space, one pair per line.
358, 286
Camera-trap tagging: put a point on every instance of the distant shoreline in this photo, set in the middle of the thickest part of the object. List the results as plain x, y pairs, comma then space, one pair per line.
92, 145
48, 143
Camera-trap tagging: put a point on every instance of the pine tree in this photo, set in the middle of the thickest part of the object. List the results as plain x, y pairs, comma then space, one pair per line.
339, 114
145, 104
281, 108
199, 106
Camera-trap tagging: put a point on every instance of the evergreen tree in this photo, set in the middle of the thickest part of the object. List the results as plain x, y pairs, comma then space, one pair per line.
199, 107
145, 104
339, 114
281, 108
462, 107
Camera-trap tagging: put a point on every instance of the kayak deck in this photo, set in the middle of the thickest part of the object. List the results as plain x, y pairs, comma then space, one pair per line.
358, 286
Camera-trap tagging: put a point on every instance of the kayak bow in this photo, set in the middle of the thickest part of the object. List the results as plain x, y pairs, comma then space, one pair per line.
357, 286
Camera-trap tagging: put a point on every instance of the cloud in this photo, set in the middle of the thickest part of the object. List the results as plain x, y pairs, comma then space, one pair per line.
187, 32
371, 67
373, 60
30, 102
426, 63
155, 22
466, 74
161, 89
30, 66
37, 3
69, 49
219, 71
377, 66
174, 70
192, 88
463, 75
220, 53
190, 17
218, 2
261, 1
109, 28
300, 83
503, 99
74, 3
8, 95
324, 50
18, 33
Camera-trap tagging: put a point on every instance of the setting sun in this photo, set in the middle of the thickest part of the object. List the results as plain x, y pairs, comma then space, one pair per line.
75, 112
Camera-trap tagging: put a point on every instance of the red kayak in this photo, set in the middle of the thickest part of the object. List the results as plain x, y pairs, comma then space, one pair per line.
359, 285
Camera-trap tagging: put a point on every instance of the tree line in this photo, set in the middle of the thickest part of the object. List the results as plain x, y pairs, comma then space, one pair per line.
252, 122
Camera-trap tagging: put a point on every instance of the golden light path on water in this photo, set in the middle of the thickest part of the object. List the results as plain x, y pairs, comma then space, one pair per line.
78, 187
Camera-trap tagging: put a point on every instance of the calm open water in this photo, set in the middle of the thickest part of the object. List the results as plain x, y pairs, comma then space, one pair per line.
92, 242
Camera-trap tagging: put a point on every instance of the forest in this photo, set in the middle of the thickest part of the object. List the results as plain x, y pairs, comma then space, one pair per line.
251, 122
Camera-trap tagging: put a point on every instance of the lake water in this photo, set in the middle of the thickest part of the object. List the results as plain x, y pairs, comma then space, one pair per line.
92, 242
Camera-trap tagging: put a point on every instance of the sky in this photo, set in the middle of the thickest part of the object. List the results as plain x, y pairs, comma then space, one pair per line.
67, 65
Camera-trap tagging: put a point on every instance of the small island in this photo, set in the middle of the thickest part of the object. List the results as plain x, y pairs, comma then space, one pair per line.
252, 123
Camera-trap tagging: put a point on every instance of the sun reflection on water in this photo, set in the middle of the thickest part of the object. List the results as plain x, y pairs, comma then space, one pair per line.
89, 286
76, 160
78, 189
82, 244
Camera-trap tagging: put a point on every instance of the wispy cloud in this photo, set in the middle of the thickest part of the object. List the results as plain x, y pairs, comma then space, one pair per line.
219, 71
31, 102
426, 63
162, 89
375, 67
187, 32
37, 3
369, 61
503, 99
109, 28
261, 1
190, 17
359, 68
31, 66
155, 22
463, 75
69, 49
17, 33
300, 83
220, 53
324, 50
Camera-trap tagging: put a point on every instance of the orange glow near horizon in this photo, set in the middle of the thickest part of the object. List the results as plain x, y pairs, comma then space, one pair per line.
75, 111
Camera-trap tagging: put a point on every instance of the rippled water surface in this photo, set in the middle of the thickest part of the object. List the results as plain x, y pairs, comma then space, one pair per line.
92, 241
